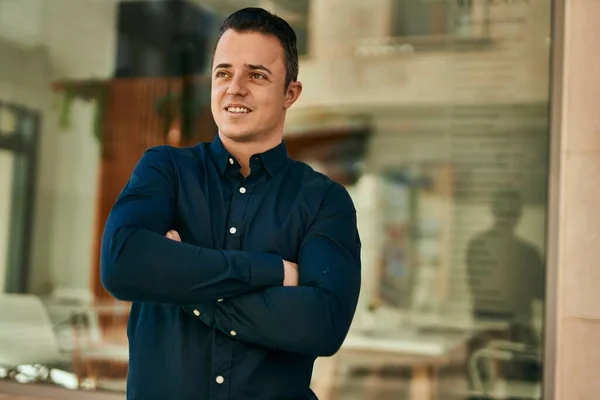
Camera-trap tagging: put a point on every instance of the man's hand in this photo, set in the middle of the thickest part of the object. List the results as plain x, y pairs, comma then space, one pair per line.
290, 273
290, 269
173, 235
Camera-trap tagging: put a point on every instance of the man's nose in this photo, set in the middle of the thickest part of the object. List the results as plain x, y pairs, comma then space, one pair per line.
237, 87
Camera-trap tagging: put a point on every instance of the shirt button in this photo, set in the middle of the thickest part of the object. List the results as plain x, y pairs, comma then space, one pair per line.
242, 190
232, 230
231, 161
196, 313
220, 300
220, 379
233, 333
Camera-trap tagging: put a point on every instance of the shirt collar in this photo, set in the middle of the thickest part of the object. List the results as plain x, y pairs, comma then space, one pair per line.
274, 160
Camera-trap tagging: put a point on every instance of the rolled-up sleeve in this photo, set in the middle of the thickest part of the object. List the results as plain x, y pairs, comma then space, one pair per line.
313, 318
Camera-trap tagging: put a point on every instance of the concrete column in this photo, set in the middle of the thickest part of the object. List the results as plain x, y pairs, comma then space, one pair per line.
573, 326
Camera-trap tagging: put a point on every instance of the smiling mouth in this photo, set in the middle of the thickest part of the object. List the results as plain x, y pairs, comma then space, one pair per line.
238, 110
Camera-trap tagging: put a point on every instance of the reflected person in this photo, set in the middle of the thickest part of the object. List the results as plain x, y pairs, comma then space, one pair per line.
242, 265
506, 273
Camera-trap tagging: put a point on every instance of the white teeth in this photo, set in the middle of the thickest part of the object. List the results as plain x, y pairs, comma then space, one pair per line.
237, 110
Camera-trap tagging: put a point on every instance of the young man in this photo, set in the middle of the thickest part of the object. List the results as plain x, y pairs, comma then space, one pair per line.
259, 272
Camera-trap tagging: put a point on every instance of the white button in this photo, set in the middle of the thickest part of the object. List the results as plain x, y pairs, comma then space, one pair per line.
242, 190
220, 379
196, 313
232, 230
233, 333
220, 300
231, 161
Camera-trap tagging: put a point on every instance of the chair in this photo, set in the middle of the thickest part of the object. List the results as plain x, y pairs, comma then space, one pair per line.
101, 351
26, 333
495, 386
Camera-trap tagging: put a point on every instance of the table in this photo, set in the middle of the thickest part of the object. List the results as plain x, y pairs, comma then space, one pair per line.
423, 353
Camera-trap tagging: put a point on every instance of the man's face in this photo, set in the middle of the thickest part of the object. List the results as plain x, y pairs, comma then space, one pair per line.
248, 95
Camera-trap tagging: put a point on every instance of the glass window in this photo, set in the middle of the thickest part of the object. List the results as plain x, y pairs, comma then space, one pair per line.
296, 13
432, 113
427, 17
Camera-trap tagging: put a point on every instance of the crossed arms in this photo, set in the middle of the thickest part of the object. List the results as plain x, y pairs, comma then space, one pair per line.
138, 263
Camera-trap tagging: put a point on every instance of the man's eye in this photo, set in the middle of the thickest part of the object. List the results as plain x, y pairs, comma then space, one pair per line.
220, 74
258, 76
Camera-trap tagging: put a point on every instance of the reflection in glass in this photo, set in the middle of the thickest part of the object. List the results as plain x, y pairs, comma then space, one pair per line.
432, 113
432, 17
506, 276
296, 13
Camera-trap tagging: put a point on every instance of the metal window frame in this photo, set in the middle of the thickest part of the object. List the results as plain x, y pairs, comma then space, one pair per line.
557, 54
28, 148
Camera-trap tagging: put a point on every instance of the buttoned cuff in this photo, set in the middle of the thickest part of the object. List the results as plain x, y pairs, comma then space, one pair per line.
266, 270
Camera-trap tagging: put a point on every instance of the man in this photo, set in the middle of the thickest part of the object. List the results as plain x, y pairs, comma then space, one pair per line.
506, 275
260, 271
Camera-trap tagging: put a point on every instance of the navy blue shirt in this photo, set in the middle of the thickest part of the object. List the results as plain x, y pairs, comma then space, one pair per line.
210, 317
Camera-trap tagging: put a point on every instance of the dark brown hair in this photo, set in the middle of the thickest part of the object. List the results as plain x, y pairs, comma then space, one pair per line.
259, 20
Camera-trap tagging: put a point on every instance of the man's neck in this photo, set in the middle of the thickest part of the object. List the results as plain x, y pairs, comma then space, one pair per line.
242, 151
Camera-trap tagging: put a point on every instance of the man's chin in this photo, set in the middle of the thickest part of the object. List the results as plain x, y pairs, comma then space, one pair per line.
238, 135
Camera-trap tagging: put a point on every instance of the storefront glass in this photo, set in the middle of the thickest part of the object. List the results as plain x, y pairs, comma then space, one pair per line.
433, 113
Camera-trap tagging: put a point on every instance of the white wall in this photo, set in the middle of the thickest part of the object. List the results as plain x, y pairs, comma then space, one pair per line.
21, 21
80, 38
74, 192
75, 40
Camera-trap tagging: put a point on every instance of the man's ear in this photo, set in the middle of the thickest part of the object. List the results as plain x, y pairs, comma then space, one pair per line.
293, 92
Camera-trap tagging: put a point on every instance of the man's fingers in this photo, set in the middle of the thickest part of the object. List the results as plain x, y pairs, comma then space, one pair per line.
173, 235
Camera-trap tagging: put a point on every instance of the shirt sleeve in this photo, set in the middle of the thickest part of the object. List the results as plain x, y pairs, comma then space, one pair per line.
139, 264
313, 318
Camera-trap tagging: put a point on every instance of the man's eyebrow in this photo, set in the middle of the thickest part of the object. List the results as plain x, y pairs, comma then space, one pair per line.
254, 67
222, 65
259, 67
